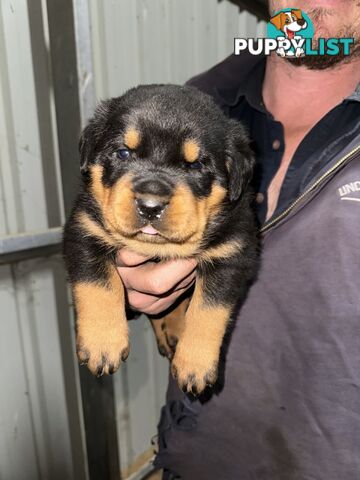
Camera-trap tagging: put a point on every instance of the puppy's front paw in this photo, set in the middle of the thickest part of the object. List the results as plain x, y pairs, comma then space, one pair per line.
194, 369
102, 353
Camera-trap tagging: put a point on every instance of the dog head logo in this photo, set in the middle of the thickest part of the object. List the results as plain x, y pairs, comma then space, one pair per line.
290, 33
289, 22
292, 27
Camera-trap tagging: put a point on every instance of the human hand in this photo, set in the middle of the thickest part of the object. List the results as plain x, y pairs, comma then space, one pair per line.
153, 287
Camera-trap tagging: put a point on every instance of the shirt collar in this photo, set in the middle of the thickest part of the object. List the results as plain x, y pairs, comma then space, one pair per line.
355, 96
249, 85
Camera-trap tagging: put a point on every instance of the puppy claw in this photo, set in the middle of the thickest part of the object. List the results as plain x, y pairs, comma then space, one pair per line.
174, 371
165, 350
162, 350
102, 359
83, 355
192, 374
125, 354
172, 341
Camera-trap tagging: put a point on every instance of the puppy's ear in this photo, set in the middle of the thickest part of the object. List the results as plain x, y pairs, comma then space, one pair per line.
240, 160
91, 134
279, 20
297, 13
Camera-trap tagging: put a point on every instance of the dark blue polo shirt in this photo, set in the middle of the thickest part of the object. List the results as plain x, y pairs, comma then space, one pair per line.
237, 86
243, 101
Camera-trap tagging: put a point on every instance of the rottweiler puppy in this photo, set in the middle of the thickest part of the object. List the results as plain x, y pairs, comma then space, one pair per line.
166, 174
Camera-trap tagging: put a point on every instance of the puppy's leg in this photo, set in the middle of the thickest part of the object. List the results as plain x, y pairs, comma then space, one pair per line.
98, 293
195, 363
102, 329
220, 285
168, 329
159, 331
174, 323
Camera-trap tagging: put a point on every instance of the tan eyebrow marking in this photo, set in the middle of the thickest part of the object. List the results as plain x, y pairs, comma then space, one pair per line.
191, 150
132, 138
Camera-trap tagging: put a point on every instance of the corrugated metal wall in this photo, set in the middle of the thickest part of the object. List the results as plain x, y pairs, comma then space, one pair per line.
161, 41
134, 41
39, 402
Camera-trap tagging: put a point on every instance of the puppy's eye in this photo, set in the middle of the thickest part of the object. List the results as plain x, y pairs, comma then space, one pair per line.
196, 165
123, 153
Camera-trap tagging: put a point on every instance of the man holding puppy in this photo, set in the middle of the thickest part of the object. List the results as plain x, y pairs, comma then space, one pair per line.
290, 405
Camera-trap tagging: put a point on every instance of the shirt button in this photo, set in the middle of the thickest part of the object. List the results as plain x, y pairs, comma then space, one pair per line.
260, 197
276, 144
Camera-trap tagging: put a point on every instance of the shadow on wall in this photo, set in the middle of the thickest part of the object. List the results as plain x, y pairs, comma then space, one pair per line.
256, 7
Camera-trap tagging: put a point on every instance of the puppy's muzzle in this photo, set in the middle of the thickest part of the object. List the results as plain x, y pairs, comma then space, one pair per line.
151, 198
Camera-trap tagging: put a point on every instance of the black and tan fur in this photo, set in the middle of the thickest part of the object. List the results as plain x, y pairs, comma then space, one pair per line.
163, 157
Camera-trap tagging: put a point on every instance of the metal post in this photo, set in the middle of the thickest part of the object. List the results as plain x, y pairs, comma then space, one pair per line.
71, 63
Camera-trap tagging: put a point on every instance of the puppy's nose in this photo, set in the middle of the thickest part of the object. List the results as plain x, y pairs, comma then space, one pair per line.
151, 197
150, 208
150, 187
301, 22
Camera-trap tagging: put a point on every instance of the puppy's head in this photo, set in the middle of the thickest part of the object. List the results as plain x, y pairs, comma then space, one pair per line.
162, 163
289, 22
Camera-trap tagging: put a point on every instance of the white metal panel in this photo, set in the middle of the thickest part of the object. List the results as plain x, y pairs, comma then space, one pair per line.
160, 41
205, 45
39, 432
16, 421
34, 417
9, 184
27, 159
38, 318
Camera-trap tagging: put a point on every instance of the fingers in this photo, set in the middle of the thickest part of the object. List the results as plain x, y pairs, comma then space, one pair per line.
152, 305
153, 287
140, 301
127, 258
157, 278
